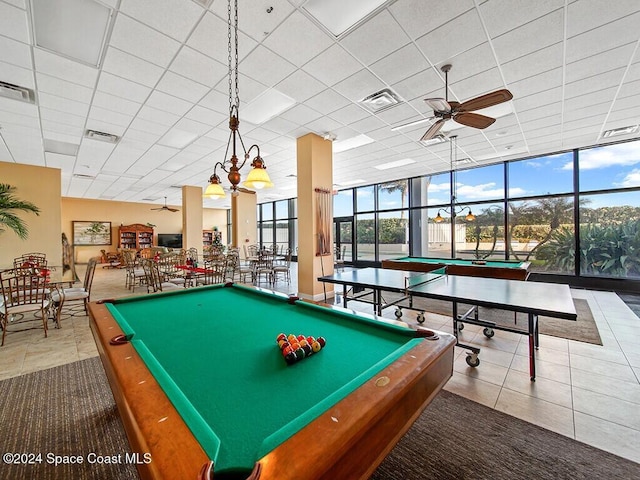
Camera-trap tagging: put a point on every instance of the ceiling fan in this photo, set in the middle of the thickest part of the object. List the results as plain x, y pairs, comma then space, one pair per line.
462, 113
165, 207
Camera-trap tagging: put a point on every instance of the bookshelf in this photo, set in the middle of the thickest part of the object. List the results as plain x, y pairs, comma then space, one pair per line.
136, 236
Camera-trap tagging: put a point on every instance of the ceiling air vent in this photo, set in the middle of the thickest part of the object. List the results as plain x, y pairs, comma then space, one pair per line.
103, 137
16, 92
83, 175
376, 102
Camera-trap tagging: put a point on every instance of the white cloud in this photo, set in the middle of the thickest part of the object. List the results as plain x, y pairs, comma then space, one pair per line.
439, 187
632, 179
478, 192
622, 154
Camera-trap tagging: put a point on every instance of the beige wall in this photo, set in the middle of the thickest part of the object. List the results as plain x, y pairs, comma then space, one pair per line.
40, 186
126, 213
243, 220
192, 217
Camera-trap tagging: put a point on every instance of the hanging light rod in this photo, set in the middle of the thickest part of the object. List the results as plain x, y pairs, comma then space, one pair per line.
454, 210
258, 177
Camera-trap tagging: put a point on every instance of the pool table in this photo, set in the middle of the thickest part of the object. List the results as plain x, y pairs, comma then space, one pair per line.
202, 387
506, 269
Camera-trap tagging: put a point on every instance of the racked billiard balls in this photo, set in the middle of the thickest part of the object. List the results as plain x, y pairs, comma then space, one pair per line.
316, 347
290, 358
321, 341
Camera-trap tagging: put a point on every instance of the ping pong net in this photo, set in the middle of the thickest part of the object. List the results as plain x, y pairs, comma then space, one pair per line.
413, 281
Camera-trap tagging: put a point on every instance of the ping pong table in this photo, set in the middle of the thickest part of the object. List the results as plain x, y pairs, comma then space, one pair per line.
530, 298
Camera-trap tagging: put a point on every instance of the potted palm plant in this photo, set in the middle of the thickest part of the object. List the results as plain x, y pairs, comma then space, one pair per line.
8, 204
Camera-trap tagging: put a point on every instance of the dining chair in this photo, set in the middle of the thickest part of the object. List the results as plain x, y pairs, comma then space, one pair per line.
22, 294
74, 295
263, 268
155, 280
282, 268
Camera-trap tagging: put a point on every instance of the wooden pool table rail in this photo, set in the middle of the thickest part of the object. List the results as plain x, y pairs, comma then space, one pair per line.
348, 441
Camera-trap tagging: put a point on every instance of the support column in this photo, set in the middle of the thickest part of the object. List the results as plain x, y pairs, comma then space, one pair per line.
315, 171
192, 217
244, 222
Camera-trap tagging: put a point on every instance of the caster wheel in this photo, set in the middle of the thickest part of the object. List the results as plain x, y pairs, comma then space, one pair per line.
488, 332
460, 327
398, 313
473, 360
420, 317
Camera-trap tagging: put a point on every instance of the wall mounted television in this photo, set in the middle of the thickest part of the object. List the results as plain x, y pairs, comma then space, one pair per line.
170, 240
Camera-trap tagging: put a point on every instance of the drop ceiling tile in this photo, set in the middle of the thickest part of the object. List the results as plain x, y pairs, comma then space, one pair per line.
425, 84
594, 83
401, 64
72, 135
60, 88
323, 125
349, 114
585, 16
198, 67
14, 23
63, 104
132, 68
156, 116
61, 117
253, 18
65, 69
535, 63
168, 103
207, 116
501, 16
176, 19
270, 68
376, 38
146, 126
359, 85
332, 65
604, 38
602, 62
122, 87
142, 41
526, 40
210, 38
482, 83
419, 17
116, 104
446, 42
17, 75
300, 86
298, 39
537, 83
182, 87
55, 160
15, 52
104, 115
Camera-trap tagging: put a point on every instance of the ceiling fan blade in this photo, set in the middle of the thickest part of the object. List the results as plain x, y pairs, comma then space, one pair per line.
173, 209
433, 130
474, 120
438, 104
484, 101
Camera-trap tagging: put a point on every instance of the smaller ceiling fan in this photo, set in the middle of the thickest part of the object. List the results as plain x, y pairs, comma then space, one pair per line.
462, 113
165, 207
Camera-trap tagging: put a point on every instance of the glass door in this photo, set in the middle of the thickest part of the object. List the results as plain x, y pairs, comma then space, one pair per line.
343, 240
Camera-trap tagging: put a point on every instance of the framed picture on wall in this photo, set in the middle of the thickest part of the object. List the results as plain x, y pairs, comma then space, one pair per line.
91, 233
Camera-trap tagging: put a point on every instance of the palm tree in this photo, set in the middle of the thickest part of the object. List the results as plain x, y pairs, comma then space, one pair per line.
9, 202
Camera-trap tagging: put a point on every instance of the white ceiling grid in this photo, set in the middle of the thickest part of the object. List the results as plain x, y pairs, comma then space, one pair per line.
573, 68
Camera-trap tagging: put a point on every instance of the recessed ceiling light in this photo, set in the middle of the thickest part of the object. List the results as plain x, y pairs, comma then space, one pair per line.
265, 106
397, 163
353, 142
62, 148
102, 136
76, 29
339, 16
620, 131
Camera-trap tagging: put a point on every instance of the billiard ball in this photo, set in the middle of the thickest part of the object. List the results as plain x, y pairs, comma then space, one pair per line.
291, 337
321, 341
287, 350
282, 342
303, 342
316, 347
310, 340
307, 350
300, 353
280, 337
291, 358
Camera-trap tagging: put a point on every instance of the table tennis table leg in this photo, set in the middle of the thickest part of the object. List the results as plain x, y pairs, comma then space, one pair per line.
533, 344
472, 355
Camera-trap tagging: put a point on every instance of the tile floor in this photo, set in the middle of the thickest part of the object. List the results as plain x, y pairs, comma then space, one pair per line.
587, 392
